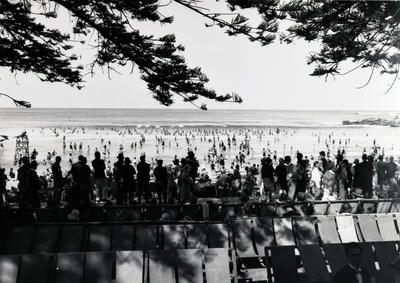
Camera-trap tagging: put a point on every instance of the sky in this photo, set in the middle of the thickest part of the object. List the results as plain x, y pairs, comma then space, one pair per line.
270, 77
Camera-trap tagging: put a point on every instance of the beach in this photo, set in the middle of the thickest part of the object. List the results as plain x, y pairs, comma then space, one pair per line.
166, 133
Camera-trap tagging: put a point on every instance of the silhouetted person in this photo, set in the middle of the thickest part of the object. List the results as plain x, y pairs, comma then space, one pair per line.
22, 174
267, 175
143, 179
366, 173
99, 175
161, 175
352, 272
194, 165
117, 173
33, 186
185, 184
3, 181
128, 176
58, 180
281, 174
78, 197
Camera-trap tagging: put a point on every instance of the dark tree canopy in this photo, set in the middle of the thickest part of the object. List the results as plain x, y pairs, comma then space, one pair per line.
364, 32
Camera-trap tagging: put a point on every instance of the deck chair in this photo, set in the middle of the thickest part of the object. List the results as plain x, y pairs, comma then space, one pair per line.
162, 266
173, 210
320, 208
305, 231
34, 268
146, 237
383, 206
263, 233
189, 264
242, 237
94, 214
98, 267
133, 213
369, 228
114, 213
196, 236
152, 212
266, 209
327, 230
284, 265
387, 227
346, 228
61, 214
314, 263
218, 235
386, 253
99, 238
216, 263
284, 232
395, 208
368, 207
280, 209
19, 240
228, 210
299, 209
335, 255
46, 215
173, 236
129, 267
9, 268
194, 211
69, 267
122, 238
354, 206
334, 208
45, 239
71, 239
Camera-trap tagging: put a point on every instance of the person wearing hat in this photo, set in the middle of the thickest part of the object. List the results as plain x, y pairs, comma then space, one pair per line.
33, 186
22, 180
185, 184
143, 179
128, 181
117, 173
161, 175
352, 272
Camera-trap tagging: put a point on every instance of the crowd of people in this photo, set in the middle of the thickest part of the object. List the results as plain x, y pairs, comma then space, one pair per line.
274, 179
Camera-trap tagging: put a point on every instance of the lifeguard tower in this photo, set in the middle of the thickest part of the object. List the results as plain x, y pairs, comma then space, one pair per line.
21, 147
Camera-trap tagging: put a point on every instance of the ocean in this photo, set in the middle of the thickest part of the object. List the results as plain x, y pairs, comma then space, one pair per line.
46, 117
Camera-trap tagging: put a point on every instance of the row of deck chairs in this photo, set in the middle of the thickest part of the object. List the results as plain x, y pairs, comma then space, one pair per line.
282, 264
158, 266
247, 236
300, 249
197, 212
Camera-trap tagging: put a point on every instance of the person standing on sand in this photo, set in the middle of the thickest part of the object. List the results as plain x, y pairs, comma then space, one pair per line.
33, 186
128, 176
267, 175
22, 174
185, 184
161, 175
143, 179
58, 180
281, 175
99, 175
117, 174
194, 164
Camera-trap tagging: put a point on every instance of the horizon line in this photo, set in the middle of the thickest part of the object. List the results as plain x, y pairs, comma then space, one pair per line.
212, 109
